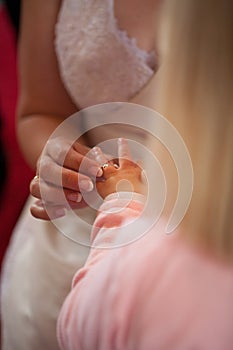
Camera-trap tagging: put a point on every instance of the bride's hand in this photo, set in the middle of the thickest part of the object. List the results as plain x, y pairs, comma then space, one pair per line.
62, 160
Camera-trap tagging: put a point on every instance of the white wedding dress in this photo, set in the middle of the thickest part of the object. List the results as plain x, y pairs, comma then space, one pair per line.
98, 63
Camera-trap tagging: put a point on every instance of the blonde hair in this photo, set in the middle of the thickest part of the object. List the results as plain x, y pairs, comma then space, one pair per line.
196, 95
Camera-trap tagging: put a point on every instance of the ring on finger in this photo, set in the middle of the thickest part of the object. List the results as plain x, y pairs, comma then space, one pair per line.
105, 165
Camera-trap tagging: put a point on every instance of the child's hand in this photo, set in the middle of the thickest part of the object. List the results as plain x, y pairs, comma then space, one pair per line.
126, 177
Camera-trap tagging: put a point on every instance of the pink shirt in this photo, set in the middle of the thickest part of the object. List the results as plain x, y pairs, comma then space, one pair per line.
156, 293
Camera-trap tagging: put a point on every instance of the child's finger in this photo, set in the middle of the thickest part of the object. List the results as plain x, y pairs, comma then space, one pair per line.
123, 152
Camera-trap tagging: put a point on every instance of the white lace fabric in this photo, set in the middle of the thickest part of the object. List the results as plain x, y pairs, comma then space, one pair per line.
98, 61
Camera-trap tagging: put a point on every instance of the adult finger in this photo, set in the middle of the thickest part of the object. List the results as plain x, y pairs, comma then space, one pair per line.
72, 157
97, 154
39, 212
50, 212
63, 177
53, 194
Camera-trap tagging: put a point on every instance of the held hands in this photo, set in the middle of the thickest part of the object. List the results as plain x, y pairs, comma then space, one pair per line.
126, 176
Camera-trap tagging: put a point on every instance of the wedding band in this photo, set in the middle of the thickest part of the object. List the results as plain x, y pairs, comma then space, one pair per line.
36, 177
104, 166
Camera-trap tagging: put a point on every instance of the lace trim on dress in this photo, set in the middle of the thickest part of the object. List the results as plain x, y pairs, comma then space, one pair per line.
131, 42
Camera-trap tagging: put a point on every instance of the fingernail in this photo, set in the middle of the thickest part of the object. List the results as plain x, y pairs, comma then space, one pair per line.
100, 158
96, 171
99, 172
86, 185
96, 149
75, 197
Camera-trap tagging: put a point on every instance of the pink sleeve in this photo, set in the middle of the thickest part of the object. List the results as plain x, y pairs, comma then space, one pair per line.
96, 274
155, 293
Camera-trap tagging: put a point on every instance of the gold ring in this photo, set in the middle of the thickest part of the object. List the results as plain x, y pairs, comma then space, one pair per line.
36, 177
104, 166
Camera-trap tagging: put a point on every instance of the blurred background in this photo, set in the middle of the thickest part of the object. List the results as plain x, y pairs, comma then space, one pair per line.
15, 175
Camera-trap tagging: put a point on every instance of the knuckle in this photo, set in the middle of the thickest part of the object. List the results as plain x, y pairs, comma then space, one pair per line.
45, 165
57, 148
62, 154
68, 178
32, 186
34, 189
72, 157
38, 162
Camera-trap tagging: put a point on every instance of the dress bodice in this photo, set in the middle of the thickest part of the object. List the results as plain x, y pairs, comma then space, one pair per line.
98, 62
